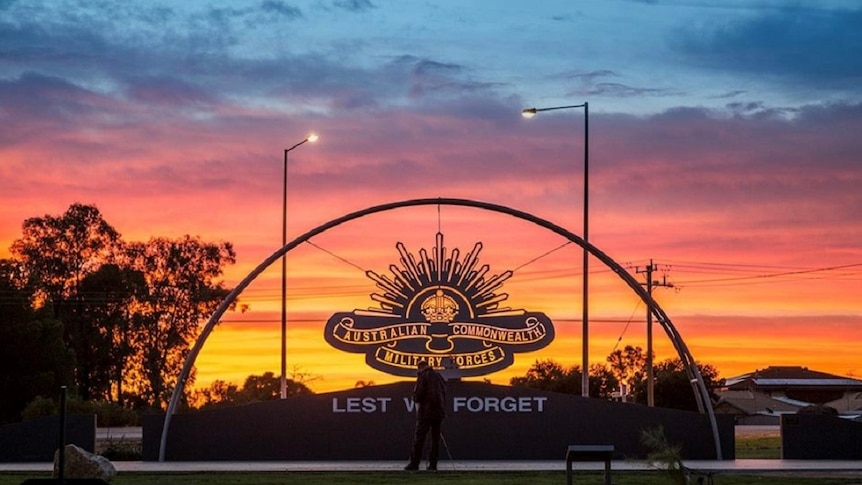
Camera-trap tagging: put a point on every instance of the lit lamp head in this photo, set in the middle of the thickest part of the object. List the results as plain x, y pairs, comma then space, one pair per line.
529, 112
313, 137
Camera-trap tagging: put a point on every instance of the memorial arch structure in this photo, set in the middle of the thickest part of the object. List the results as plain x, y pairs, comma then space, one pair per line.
698, 385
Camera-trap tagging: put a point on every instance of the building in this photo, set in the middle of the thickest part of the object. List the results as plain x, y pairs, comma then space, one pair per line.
762, 396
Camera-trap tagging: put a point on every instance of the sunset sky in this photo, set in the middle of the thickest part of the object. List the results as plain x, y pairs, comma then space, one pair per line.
725, 143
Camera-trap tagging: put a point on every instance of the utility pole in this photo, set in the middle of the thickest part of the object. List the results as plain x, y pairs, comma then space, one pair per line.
650, 284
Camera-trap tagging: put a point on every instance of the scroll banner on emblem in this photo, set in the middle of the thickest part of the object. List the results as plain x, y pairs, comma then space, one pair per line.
468, 348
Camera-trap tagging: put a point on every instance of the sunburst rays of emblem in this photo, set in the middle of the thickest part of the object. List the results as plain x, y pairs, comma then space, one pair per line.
415, 278
443, 308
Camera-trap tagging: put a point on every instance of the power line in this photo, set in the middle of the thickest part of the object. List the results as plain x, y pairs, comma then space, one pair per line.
547, 253
760, 276
345, 260
629, 322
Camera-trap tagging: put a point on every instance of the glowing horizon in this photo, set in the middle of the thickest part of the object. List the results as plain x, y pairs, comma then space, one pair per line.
738, 175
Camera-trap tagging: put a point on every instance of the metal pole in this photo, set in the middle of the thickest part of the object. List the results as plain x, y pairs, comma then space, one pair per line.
585, 319
585, 381
650, 284
283, 390
61, 460
649, 362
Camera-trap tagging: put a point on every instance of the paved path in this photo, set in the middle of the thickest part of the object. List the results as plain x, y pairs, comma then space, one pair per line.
726, 466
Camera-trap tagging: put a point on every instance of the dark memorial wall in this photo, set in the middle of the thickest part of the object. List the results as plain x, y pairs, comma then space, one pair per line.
484, 422
820, 437
36, 440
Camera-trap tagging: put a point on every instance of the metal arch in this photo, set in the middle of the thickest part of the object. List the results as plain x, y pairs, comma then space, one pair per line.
699, 386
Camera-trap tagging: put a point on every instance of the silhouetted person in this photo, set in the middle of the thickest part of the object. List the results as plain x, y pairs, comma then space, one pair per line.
429, 394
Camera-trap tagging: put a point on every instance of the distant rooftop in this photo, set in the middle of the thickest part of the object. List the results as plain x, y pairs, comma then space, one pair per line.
791, 376
754, 402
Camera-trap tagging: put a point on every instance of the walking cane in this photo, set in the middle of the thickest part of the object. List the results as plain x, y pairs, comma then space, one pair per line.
448, 452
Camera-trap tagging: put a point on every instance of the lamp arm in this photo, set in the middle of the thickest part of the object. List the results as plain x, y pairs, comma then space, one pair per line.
294, 146
561, 107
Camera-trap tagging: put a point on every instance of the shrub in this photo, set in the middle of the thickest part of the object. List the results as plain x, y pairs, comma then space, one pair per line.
108, 414
39, 407
121, 450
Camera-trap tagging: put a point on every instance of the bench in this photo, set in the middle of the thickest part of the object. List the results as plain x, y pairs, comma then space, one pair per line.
589, 453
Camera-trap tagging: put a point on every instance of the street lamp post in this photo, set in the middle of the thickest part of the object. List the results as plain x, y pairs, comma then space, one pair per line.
529, 113
283, 392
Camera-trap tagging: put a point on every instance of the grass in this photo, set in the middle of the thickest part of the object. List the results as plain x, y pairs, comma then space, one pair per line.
758, 447
441, 477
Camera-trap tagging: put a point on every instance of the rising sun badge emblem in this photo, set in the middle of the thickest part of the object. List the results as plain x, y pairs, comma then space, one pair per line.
442, 308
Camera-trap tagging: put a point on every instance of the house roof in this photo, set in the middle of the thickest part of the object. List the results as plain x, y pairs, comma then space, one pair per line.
849, 404
791, 376
752, 402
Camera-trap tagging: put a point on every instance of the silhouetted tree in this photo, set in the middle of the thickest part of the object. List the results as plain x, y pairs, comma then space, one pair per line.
105, 317
128, 312
33, 358
550, 375
58, 252
218, 393
603, 382
264, 387
182, 291
628, 366
257, 388
673, 388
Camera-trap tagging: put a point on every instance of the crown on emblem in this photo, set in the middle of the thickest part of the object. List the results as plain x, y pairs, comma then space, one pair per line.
439, 308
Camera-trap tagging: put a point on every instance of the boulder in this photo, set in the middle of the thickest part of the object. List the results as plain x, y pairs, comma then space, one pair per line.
81, 463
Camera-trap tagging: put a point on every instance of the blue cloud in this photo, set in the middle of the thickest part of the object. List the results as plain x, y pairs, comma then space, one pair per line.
281, 8
623, 91
813, 47
354, 5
